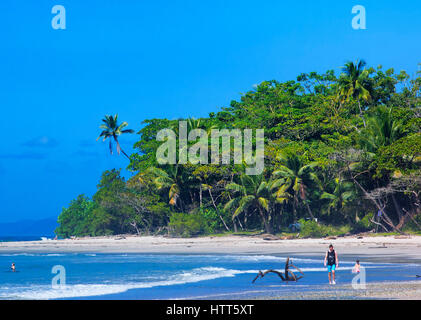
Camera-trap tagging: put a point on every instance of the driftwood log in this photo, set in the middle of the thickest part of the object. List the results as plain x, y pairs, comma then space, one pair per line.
288, 275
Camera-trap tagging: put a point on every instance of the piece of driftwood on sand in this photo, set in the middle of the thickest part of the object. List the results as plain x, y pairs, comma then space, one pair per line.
288, 275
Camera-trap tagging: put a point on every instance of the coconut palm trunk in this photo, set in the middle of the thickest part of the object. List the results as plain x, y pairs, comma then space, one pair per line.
361, 113
268, 227
309, 211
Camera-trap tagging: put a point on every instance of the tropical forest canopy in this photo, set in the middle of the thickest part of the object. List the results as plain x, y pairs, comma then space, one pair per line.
342, 154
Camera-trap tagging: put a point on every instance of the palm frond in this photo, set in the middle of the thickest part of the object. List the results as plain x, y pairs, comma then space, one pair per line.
245, 202
264, 203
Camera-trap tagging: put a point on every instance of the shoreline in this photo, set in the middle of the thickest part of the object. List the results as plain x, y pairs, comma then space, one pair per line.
385, 290
379, 248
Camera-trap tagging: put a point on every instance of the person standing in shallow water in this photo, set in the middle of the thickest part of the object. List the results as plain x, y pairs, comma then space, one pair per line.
331, 259
356, 268
13, 267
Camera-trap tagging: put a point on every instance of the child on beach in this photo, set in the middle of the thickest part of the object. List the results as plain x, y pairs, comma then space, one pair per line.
356, 268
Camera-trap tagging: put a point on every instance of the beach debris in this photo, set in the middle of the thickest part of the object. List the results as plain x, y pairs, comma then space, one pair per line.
270, 237
402, 237
418, 276
383, 246
288, 275
289, 237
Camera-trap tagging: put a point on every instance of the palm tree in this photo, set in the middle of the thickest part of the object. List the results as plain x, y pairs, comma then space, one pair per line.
382, 130
112, 130
293, 176
343, 193
193, 123
353, 84
168, 181
279, 190
251, 194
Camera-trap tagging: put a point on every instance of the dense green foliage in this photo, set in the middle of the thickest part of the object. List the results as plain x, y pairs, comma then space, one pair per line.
340, 150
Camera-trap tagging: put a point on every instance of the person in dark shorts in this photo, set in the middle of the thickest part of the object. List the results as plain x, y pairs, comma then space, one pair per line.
332, 262
13, 267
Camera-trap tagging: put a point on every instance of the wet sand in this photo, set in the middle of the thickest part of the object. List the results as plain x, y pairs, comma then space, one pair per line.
405, 290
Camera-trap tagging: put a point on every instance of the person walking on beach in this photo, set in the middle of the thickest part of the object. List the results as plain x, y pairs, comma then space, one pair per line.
332, 263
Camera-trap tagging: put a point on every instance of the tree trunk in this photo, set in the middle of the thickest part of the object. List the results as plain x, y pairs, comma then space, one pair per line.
309, 211
239, 222
125, 154
385, 217
402, 218
287, 276
191, 196
134, 225
378, 224
200, 195
217, 211
268, 228
294, 210
356, 217
411, 216
119, 148
361, 113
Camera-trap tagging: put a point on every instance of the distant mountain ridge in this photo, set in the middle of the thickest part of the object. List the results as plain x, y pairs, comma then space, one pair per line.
42, 227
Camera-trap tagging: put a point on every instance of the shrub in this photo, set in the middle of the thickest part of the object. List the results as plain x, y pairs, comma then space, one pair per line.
187, 224
412, 226
312, 229
364, 224
213, 221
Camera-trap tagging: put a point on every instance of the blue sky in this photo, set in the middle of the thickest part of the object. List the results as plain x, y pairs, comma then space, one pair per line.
146, 59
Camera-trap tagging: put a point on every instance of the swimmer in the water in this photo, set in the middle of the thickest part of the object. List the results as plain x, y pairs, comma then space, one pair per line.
13, 267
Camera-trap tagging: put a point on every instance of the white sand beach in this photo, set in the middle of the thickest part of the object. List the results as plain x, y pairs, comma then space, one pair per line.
396, 249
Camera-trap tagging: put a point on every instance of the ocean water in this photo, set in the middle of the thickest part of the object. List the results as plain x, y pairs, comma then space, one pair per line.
172, 276
4, 238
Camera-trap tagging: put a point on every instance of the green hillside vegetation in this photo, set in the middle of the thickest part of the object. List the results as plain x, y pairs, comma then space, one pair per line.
342, 154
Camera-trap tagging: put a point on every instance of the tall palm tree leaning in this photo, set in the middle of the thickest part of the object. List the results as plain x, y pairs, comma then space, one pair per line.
112, 130
353, 84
